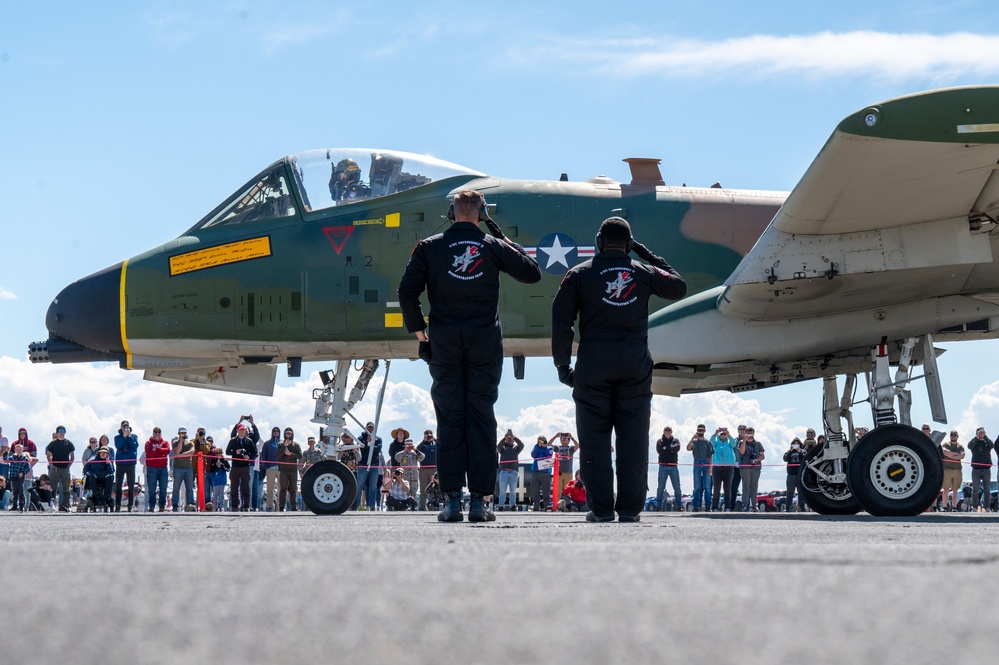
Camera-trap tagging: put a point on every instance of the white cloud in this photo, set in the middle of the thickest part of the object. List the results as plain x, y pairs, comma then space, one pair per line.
173, 29
980, 412
7, 295
861, 53
278, 36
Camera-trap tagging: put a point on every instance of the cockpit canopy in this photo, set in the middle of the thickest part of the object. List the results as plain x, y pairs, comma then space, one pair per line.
329, 178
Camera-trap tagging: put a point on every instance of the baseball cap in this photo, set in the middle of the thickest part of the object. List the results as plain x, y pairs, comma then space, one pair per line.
124, 424
181, 430
61, 428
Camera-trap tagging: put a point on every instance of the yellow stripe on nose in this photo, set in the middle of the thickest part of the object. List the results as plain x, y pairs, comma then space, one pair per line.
121, 315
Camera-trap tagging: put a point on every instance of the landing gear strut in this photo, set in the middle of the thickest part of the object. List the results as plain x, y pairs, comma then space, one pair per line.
822, 481
895, 469
329, 487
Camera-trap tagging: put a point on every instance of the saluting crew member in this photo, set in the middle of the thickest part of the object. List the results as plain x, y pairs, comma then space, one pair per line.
460, 269
612, 383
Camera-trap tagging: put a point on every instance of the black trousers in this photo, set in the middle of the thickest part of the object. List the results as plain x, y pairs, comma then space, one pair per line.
722, 477
466, 368
239, 487
613, 394
121, 472
100, 490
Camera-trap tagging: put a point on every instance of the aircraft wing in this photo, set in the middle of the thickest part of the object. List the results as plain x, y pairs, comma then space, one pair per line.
897, 207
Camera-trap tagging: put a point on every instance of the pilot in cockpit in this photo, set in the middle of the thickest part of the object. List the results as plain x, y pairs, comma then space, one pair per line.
345, 182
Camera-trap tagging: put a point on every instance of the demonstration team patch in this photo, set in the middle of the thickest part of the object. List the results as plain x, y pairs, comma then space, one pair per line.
467, 262
620, 286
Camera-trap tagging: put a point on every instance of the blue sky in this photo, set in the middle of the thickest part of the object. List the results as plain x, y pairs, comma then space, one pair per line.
124, 123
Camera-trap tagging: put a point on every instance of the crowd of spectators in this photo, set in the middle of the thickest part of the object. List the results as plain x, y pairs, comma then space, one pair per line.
245, 474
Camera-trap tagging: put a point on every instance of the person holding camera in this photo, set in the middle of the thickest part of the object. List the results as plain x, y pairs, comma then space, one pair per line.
409, 459
751, 456
460, 271
668, 448
795, 458
703, 452
612, 383
573, 496
565, 446
157, 457
398, 497
435, 497
126, 445
428, 465
242, 450
509, 449
289, 454
723, 461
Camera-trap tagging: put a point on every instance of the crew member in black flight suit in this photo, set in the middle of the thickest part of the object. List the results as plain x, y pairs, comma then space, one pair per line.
460, 271
612, 382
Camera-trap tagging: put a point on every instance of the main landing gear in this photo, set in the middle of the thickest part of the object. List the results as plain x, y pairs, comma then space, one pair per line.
893, 470
329, 487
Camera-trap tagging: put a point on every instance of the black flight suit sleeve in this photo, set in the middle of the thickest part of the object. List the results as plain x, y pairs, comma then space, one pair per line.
516, 263
565, 309
666, 282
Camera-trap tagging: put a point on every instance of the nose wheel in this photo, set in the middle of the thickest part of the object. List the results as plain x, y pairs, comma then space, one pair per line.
328, 488
821, 495
895, 470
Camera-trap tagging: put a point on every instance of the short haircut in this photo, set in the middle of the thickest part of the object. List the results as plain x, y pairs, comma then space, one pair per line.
468, 202
615, 231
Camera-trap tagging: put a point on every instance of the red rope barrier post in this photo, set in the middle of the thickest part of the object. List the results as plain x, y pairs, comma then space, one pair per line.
555, 481
200, 475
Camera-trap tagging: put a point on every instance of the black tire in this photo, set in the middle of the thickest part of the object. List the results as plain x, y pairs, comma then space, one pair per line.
328, 488
895, 471
821, 498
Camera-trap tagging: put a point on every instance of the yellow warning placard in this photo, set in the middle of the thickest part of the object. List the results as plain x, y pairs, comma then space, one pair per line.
232, 252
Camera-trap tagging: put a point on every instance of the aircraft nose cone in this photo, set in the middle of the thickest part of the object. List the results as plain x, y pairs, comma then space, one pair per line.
86, 312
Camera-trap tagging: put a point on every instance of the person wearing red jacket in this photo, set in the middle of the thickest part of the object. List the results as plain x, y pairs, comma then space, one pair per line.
573, 496
157, 455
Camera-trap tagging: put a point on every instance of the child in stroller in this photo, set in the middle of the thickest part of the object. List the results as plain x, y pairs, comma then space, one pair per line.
99, 472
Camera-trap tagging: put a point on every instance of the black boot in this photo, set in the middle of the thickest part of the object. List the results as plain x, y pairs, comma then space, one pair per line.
479, 511
452, 508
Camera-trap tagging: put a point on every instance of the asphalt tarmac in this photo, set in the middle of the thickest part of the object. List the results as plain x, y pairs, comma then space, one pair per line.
402, 588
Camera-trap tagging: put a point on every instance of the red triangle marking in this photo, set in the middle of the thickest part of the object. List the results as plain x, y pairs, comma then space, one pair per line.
338, 235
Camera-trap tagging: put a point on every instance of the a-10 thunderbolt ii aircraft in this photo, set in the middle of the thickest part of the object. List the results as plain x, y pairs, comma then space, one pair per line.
886, 243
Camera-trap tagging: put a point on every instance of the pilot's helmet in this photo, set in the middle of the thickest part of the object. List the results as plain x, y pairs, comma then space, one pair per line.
348, 170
